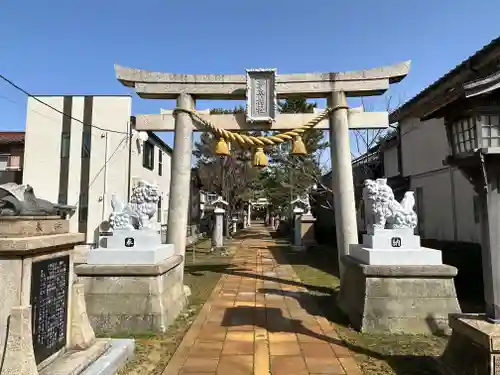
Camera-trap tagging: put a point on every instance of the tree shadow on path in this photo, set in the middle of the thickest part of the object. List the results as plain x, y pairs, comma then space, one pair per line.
272, 320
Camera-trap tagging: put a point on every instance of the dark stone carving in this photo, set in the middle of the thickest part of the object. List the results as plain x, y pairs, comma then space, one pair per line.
49, 301
20, 200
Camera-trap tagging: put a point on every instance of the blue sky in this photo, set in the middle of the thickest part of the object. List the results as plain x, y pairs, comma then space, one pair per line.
69, 47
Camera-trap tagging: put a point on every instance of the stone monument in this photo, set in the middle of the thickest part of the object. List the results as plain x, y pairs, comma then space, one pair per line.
390, 226
307, 224
391, 283
298, 207
134, 283
218, 232
303, 224
44, 327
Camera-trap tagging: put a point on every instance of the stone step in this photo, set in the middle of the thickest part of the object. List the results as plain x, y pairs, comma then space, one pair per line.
74, 362
120, 351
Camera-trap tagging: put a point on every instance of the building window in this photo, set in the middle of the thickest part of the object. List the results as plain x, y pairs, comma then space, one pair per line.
158, 211
65, 143
477, 209
490, 131
86, 142
160, 160
4, 162
148, 155
464, 135
420, 211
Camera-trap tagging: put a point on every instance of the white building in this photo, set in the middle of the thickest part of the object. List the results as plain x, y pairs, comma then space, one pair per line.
445, 198
75, 164
446, 202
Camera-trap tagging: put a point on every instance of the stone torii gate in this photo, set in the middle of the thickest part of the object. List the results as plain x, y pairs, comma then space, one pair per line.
336, 87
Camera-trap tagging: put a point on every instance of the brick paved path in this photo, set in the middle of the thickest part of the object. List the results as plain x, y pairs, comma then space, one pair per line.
258, 321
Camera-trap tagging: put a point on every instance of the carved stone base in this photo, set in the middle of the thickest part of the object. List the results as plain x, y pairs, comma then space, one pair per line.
19, 358
82, 335
133, 298
28, 226
398, 299
84, 349
474, 346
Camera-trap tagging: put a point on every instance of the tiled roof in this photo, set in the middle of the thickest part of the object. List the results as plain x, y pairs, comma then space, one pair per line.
11, 137
448, 77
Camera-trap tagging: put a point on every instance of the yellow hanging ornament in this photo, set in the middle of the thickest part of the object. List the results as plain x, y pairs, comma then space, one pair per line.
221, 148
298, 147
259, 158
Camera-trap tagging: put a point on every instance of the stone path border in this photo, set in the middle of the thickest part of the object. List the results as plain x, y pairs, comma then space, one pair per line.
260, 320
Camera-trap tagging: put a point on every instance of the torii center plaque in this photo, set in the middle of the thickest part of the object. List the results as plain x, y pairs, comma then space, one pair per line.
261, 96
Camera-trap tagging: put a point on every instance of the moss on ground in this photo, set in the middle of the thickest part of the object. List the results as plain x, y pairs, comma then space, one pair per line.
376, 354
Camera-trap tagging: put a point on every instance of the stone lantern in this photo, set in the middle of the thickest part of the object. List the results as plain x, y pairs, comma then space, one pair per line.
299, 206
473, 129
218, 234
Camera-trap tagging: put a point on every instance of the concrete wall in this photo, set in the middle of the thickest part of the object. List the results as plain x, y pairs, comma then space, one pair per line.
424, 146
138, 171
108, 162
391, 163
447, 211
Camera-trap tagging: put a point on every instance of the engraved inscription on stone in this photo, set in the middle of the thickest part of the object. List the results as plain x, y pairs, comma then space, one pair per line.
396, 242
261, 107
261, 98
129, 242
496, 364
49, 301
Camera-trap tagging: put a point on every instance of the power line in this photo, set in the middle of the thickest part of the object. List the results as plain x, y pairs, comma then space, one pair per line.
55, 109
106, 162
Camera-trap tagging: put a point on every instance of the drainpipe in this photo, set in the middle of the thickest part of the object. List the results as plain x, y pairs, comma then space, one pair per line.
453, 204
400, 152
105, 175
129, 172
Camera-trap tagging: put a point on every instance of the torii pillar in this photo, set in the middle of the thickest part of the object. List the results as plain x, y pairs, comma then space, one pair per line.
336, 87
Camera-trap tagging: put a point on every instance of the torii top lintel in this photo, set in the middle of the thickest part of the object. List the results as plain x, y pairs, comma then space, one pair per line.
156, 85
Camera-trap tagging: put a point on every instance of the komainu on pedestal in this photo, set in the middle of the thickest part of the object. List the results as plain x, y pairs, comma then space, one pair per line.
382, 210
134, 282
391, 283
138, 213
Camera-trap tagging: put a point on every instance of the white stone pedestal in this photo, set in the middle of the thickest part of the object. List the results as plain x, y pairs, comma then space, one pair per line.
132, 247
396, 257
393, 247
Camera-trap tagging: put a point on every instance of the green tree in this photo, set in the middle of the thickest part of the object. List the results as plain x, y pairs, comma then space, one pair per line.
230, 176
287, 175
